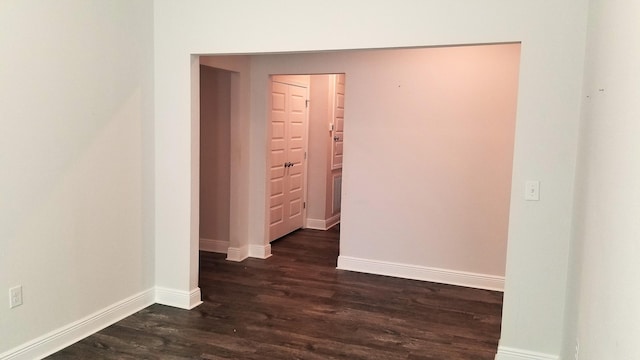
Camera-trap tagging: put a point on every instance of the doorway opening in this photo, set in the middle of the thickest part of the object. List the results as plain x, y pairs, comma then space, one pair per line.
305, 147
428, 160
215, 158
223, 177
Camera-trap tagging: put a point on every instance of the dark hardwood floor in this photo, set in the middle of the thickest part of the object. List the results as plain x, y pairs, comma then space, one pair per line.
296, 305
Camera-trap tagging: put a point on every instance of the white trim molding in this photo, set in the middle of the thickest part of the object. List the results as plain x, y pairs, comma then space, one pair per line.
254, 251
260, 251
238, 253
178, 298
507, 353
216, 246
315, 224
334, 220
64, 336
415, 272
319, 224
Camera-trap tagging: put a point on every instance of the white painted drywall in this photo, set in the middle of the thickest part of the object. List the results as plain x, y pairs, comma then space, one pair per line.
430, 151
318, 163
605, 301
239, 66
553, 38
215, 158
76, 143
320, 191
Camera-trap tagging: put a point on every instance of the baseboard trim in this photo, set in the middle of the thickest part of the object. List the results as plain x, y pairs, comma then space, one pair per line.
315, 224
320, 224
216, 246
254, 251
260, 251
415, 272
62, 337
238, 253
332, 221
178, 298
507, 353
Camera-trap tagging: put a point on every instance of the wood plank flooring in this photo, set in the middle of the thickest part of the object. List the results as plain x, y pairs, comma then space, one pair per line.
296, 305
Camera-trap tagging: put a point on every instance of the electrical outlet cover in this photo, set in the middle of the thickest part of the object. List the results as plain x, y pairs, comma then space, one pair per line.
15, 296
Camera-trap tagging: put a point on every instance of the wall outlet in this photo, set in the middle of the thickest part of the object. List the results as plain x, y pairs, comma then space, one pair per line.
15, 296
532, 190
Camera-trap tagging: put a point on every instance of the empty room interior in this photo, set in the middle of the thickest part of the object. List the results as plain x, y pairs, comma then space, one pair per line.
200, 180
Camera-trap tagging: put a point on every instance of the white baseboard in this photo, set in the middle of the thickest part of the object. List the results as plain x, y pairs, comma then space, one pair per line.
322, 224
315, 224
415, 272
178, 298
332, 221
216, 246
60, 338
238, 254
260, 251
507, 353
254, 251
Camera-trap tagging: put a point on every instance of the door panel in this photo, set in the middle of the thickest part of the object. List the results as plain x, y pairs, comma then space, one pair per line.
277, 157
338, 124
287, 157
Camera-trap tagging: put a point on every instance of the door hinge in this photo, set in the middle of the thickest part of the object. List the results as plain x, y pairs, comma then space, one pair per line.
305, 155
306, 103
304, 205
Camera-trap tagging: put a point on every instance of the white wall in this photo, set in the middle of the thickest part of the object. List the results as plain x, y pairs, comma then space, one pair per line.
76, 143
318, 164
427, 177
320, 191
552, 36
239, 66
605, 301
215, 147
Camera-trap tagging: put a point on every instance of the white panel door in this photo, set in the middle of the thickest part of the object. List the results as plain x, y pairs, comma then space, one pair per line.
287, 158
338, 123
